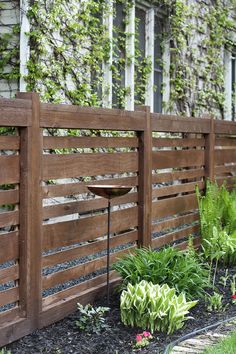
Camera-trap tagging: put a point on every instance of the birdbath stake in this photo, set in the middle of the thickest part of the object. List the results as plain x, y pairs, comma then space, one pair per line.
109, 192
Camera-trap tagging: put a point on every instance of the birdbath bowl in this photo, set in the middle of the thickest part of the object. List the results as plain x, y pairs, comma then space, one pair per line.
109, 192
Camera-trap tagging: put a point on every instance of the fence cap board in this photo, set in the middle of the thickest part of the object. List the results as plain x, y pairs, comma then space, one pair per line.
170, 123
225, 127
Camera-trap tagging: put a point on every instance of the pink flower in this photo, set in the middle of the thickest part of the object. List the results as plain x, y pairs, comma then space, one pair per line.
146, 334
233, 297
139, 338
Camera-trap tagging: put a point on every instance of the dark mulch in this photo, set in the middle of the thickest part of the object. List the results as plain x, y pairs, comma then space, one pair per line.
64, 336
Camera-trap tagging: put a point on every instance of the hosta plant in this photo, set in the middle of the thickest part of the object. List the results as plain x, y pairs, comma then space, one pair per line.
155, 307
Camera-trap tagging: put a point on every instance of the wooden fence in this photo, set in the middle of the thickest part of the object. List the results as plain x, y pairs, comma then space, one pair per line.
53, 235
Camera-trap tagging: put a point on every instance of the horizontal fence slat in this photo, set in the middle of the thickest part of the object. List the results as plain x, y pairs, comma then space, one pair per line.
90, 118
224, 127
225, 156
59, 190
9, 142
9, 196
178, 188
75, 165
9, 218
15, 103
70, 232
9, 246
78, 288
87, 142
184, 158
81, 270
179, 175
86, 205
8, 316
175, 222
180, 142
221, 170
10, 169
15, 117
87, 249
171, 206
184, 245
174, 236
171, 123
226, 142
9, 296
9, 274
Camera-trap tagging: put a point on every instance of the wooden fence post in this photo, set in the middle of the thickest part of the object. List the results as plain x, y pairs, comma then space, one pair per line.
31, 214
210, 152
145, 182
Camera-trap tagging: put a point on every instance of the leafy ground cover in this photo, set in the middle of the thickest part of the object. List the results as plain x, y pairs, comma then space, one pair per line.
66, 337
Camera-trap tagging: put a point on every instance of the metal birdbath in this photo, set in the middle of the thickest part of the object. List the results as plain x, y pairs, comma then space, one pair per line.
109, 192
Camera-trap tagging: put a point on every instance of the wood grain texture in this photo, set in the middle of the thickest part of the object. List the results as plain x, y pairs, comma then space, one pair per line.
172, 206
176, 189
175, 222
177, 175
9, 296
9, 218
70, 232
183, 158
9, 246
174, 236
9, 142
10, 169
174, 142
170, 123
87, 142
9, 196
79, 165
9, 274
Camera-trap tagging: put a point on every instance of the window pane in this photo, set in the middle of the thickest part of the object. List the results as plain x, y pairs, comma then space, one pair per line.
157, 94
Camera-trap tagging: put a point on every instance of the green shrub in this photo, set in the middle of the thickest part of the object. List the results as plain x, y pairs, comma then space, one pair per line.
92, 319
169, 265
218, 223
154, 307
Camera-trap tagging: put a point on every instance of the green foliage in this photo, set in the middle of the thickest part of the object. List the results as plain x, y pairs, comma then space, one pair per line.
226, 345
169, 266
4, 351
215, 302
155, 307
218, 223
92, 319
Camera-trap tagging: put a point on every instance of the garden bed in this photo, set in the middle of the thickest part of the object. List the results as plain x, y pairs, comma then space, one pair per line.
65, 337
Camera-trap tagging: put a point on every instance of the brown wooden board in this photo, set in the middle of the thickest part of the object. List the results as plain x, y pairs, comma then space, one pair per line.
9, 218
78, 165
9, 296
88, 248
9, 142
174, 236
90, 118
14, 117
228, 141
9, 196
81, 270
170, 123
9, 246
83, 206
10, 169
177, 142
172, 206
70, 232
225, 156
66, 142
175, 222
59, 190
183, 158
177, 175
176, 189
9, 274
223, 127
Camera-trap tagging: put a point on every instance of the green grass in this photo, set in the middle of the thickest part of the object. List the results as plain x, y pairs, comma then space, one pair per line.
226, 346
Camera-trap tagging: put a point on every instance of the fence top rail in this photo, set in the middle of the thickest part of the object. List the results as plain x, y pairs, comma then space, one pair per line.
71, 116
178, 124
225, 127
15, 112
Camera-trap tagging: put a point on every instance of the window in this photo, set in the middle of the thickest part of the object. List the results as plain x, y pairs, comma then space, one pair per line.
142, 46
233, 86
